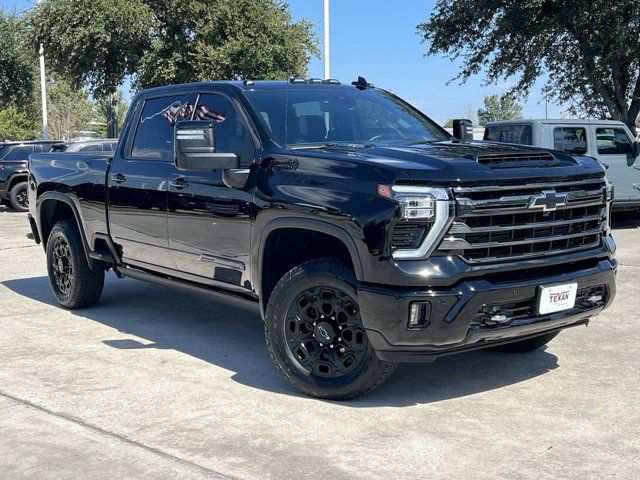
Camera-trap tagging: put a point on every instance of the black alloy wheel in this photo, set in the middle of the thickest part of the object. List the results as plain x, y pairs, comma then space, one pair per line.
62, 263
19, 197
315, 334
324, 333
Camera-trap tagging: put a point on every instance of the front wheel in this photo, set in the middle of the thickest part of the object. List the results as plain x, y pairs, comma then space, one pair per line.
18, 197
73, 283
315, 334
528, 345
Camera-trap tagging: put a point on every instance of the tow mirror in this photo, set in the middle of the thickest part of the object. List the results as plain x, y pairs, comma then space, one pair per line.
463, 130
195, 148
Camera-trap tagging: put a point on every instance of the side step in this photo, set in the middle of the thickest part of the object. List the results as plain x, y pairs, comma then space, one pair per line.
223, 297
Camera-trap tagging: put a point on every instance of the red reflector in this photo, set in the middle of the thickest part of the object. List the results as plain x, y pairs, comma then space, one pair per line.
384, 190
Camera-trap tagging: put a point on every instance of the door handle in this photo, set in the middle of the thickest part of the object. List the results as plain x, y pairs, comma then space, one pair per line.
179, 184
119, 178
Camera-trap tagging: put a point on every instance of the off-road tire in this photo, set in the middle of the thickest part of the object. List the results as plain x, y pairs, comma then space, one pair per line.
527, 345
333, 274
84, 285
16, 195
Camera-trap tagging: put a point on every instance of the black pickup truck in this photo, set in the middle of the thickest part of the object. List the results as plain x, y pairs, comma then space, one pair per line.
363, 233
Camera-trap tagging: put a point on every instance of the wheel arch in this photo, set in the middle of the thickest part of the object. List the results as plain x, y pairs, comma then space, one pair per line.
52, 207
317, 238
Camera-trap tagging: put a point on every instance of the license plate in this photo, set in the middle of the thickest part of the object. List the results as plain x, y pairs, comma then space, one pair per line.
557, 298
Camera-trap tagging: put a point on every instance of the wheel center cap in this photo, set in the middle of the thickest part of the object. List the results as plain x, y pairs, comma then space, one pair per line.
324, 332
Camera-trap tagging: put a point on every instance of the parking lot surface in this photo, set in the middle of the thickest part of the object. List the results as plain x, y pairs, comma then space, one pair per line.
156, 383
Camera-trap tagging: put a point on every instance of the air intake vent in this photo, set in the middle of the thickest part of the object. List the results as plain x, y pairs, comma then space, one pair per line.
517, 160
408, 234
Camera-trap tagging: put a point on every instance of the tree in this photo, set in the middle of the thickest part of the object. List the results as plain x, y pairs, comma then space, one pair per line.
17, 124
225, 39
70, 110
115, 106
98, 43
17, 67
448, 123
589, 50
499, 108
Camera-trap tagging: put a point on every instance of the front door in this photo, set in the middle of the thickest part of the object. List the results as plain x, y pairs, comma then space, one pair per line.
138, 185
210, 223
614, 147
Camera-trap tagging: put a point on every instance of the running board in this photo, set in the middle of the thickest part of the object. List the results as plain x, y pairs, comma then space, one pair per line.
228, 298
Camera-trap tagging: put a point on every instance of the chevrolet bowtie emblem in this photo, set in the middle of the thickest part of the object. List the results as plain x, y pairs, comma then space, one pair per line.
547, 200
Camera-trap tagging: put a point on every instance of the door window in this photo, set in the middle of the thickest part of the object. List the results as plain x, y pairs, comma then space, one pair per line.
613, 141
520, 134
19, 153
154, 134
232, 136
570, 140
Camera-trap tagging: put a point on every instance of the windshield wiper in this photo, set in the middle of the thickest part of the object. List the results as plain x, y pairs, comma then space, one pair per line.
355, 146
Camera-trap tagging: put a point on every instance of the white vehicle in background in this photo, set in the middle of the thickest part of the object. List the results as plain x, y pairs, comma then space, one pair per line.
610, 142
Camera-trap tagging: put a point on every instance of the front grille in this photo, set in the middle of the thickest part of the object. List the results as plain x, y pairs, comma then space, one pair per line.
587, 298
526, 221
517, 160
408, 234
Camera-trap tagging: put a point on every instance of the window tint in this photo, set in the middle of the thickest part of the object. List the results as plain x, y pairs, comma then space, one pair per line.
19, 153
520, 134
231, 133
570, 139
154, 135
310, 116
613, 141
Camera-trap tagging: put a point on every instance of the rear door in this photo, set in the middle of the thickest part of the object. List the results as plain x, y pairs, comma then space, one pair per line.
138, 183
210, 223
614, 146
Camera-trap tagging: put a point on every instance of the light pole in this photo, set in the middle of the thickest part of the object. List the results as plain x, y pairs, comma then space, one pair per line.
43, 93
327, 69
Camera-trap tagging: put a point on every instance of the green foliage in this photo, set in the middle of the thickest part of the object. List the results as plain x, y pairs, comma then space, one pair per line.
17, 124
448, 123
99, 42
499, 108
69, 110
93, 43
118, 110
590, 50
17, 64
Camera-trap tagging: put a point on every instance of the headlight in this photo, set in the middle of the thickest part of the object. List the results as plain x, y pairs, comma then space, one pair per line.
432, 206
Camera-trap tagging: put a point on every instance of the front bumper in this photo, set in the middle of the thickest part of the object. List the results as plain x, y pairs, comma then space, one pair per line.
452, 326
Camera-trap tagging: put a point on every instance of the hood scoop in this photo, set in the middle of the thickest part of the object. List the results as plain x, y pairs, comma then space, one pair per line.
518, 160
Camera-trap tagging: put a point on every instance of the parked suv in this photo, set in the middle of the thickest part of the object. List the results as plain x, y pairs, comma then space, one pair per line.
610, 142
13, 171
363, 233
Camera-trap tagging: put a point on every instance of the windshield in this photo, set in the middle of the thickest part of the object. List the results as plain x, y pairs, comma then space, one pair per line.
307, 117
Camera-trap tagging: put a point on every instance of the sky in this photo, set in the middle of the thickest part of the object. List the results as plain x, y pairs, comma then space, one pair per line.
377, 39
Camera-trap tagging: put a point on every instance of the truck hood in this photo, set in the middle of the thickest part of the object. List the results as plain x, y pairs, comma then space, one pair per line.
458, 163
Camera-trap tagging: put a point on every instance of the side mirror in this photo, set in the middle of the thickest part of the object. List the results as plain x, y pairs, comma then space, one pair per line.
635, 150
195, 148
463, 130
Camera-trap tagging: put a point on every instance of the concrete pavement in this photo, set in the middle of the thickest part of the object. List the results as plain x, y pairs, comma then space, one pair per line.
156, 383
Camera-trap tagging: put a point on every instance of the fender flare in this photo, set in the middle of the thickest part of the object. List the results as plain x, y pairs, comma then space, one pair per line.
61, 197
303, 223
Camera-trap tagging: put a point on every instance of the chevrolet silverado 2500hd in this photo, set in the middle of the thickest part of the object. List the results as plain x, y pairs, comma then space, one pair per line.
363, 233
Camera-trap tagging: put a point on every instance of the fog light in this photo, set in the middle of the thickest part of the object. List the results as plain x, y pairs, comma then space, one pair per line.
419, 314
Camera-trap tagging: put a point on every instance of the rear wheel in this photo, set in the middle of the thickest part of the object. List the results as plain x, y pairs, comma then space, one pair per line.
18, 197
73, 283
315, 334
527, 345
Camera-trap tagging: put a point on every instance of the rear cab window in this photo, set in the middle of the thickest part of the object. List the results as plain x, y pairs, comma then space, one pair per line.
570, 140
613, 141
521, 134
